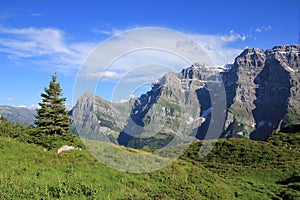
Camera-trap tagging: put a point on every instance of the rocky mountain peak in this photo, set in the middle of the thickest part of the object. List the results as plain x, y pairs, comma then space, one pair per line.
294, 48
86, 102
251, 58
251, 51
287, 56
192, 72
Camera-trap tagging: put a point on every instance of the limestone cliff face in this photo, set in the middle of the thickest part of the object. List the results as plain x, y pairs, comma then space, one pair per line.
289, 58
263, 91
240, 87
261, 94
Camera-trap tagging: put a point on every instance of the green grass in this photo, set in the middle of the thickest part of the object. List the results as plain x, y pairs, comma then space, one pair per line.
40, 174
291, 118
234, 169
246, 153
283, 140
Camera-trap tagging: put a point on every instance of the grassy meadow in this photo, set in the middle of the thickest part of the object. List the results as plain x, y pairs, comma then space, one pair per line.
234, 169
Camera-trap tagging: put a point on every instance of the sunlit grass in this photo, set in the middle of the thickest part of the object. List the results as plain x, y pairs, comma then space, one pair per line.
235, 168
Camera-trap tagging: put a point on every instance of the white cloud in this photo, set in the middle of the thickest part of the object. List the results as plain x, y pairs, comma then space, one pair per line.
22, 106
108, 32
10, 99
258, 30
49, 48
122, 101
37, 41
38, 14
101, 31
6, 15
107, 29
46, 47
32, 106
147, 73
233, 36
217, 46
140, 42
105, 75
263, 29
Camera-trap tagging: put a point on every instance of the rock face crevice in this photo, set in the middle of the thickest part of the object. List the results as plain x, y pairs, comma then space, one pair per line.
204, 99
272, 96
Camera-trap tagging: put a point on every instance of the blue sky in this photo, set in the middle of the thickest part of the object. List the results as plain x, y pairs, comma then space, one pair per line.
38, 38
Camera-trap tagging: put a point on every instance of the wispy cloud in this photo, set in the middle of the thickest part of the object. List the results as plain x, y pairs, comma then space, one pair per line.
105, 75
32, 106
263, 29
108, 31
11, 99
44, 46
233, 36
6, 15
49, 48
102, 31
38, 14
32, 41
217, 46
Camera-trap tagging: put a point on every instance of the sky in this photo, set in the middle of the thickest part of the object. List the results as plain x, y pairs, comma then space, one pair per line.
39, 38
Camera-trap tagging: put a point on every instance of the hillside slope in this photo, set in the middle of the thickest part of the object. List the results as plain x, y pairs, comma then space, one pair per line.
235, 169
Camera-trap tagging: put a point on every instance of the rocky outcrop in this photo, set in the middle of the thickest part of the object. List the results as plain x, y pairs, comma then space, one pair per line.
67, 148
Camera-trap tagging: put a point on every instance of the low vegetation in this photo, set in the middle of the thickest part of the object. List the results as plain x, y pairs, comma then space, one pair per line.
234, 169
29, 134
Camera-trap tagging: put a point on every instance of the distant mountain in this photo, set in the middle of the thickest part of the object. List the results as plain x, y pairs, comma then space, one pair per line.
261, 94
18, 114
93, 117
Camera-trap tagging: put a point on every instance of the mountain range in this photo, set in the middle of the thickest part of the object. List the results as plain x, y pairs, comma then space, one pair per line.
250, 98
18, 114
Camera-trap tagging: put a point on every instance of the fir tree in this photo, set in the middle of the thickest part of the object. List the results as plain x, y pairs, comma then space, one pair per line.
52, 116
